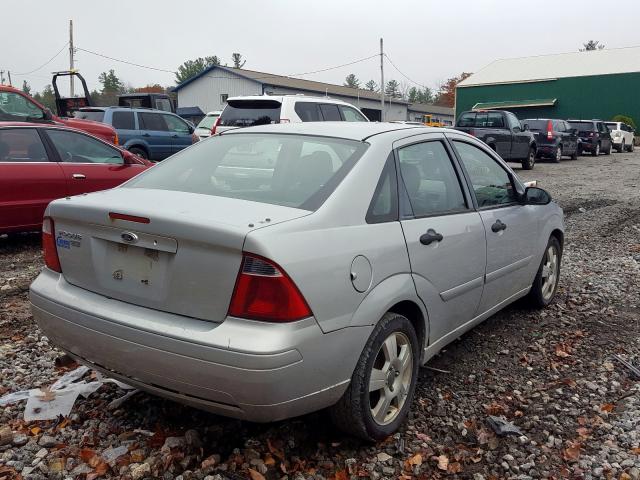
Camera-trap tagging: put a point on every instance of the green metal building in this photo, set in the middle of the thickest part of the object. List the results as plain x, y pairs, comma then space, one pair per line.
595, 84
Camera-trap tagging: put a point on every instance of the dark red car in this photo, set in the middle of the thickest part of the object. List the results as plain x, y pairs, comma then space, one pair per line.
39, 163
16, 106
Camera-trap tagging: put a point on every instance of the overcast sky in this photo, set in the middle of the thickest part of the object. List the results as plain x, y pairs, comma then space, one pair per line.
428, 40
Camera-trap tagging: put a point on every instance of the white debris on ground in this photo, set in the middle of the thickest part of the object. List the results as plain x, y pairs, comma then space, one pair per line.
57, 400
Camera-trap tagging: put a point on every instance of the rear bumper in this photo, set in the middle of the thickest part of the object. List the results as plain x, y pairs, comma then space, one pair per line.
243, 369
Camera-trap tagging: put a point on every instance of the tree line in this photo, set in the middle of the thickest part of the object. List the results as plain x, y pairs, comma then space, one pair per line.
444, 95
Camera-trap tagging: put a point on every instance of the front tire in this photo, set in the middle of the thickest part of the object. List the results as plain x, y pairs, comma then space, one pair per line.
623, 147
383, 384
546, 282
530, 161
139, 152
596, 151
631, 147
608, 150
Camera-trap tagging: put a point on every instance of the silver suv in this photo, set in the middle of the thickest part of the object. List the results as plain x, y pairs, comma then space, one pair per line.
272, 271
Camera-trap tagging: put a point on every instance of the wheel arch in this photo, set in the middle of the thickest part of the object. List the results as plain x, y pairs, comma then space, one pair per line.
559, 235
413, 313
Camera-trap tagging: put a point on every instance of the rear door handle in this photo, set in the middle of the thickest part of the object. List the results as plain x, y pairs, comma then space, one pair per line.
430, 237
78, 176
498, 226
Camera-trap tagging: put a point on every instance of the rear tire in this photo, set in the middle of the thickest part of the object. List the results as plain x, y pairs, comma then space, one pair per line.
574, 155
530, 161
623, 147
608, 150
557, 158
545, 285
142, 153
631, 147
385, 377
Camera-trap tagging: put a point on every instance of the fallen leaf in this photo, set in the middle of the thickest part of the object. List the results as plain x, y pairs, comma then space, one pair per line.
572, 452
608, 366
443, 462
455, 467
582, 421
496, 409
86, 454
583, 432
415, 460
563, 350
63, 424
255, 475
625, 476
269, 460
569, 382
607, 407
341, 475
35, 430
635, 451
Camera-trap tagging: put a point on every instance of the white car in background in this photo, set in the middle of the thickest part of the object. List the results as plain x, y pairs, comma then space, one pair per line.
203, 130
621, 136
254, 110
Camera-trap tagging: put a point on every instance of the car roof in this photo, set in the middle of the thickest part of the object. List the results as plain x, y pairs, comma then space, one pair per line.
280, 98
348, 130
123, 107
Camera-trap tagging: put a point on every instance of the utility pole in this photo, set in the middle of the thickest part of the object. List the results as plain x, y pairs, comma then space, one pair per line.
9, 75
71, 66
381, 82
1, 77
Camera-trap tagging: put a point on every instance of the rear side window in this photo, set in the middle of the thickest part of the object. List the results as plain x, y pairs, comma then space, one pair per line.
123, 121
247, 113
308, 111
330, 113
95, 115
352, 115
299, 171
152, 121
495, 120
384, 204
467, 119
21, 145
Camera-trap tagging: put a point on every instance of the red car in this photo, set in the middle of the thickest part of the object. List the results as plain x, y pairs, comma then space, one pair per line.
16, 106
39, 163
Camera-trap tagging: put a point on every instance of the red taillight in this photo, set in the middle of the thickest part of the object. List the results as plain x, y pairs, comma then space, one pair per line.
51, 259
265, 292
549, 130
116, 140
215, 126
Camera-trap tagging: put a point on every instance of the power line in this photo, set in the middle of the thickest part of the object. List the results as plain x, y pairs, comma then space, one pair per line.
405, 76
266, 76
46, 63
125, 61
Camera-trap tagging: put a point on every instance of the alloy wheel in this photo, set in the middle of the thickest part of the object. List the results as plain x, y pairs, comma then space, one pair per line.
550, 272
390, 378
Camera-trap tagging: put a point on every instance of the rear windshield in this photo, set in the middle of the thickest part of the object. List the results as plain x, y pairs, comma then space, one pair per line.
299, 171
582, 126
97, 115
246, 113
208, 121
537, 125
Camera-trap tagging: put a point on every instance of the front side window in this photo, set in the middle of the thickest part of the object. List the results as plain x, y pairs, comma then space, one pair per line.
21, 145
430, 180
152, 121
491, 183
330, 113
299, 171
123, 121
75, 147
351, 114
308, 111
175, 124
15, 107
513, 120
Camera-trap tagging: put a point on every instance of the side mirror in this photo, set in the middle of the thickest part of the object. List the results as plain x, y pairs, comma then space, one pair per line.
191, 129
517, 129
536, 196
47, 115
526, 127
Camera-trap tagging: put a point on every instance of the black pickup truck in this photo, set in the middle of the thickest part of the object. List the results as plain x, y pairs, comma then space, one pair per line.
502, 131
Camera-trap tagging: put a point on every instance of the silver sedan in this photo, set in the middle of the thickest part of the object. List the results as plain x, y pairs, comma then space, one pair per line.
272, 271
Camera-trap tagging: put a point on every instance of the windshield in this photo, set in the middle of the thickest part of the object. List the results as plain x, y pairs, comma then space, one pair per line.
15, 107
297, 171
96, 115
246, 113
208, 121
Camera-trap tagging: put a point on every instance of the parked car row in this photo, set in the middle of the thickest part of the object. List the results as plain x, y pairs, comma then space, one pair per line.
529, 139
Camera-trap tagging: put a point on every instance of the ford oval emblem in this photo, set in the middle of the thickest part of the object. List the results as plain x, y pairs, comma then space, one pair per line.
129, 237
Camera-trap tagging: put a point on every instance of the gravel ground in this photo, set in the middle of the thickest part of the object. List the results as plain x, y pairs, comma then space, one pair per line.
551, 373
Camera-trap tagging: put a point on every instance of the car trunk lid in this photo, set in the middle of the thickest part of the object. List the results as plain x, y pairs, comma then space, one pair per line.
180, 254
